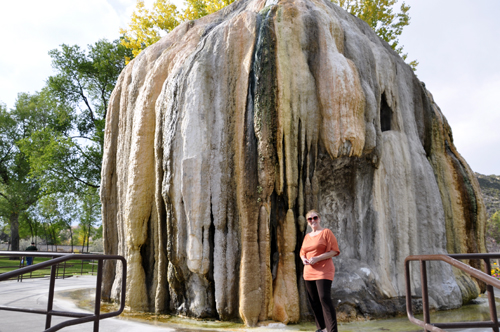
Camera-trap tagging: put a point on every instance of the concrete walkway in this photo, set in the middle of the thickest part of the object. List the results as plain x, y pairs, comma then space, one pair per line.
33, 294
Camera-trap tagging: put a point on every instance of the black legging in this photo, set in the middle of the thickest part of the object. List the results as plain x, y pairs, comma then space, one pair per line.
319, 297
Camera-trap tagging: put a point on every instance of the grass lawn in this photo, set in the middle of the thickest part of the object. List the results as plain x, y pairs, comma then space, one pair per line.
73, 267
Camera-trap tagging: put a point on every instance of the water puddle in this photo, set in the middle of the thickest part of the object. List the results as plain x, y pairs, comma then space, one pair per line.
476, 311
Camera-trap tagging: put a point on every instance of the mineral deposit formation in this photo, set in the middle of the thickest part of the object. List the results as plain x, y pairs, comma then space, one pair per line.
221, 136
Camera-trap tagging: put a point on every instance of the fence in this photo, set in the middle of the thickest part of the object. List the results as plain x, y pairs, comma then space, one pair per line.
60, 258
50, 248
453, 260
63, 270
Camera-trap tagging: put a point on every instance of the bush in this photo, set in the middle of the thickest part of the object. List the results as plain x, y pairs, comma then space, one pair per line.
97, 246
25, 243
493, 226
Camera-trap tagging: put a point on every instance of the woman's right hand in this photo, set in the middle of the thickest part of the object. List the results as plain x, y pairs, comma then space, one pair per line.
305, 261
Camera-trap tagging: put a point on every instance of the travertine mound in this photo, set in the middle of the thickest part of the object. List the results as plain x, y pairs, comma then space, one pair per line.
223, 134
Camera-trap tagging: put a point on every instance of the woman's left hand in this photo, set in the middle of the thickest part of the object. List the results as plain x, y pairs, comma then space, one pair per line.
313, 260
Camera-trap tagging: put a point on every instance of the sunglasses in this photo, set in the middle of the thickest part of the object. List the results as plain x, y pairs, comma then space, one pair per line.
313, 218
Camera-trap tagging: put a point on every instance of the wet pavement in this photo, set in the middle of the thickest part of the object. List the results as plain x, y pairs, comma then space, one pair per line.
76, 293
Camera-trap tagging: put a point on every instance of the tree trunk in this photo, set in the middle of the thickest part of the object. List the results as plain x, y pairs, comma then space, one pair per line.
88, 239
54, 238
83, 241
14, 230
14, 233
71, 237
46, 236
35, 233
31, 230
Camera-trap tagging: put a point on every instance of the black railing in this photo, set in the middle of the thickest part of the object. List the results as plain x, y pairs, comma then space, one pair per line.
452, 260
61, 258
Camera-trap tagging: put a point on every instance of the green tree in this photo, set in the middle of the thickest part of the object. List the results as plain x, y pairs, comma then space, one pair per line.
90, 215
380, 16
30, 227
98, 233
18, 192
4, 231
53, 221
52, 142
57, 213
68, 158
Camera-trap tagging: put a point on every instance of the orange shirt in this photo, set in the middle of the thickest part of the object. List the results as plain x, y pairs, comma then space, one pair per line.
313, 246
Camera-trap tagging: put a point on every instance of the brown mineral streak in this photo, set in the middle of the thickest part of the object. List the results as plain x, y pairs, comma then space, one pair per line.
448, 166
293, 75
250, 280
140, 191
265, 261
109, 189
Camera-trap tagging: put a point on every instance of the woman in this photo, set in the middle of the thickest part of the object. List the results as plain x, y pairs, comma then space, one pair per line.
318, 248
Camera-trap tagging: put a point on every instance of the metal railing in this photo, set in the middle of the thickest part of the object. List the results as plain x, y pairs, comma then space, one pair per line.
452, 259
60, 258
63, 270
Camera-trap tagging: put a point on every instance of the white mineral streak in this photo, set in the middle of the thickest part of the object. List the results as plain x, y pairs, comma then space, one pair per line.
195, 167
293, 75
392, 182
221, 136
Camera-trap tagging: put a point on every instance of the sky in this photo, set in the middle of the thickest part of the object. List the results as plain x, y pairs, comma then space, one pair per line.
455, 41
457, 44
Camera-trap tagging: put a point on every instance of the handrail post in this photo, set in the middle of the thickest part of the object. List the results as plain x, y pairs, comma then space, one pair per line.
97, 306
425, 294
21, 264
491, 298
409, 308
50, 300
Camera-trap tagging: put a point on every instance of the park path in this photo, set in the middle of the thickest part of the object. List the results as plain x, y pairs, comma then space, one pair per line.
32, 293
